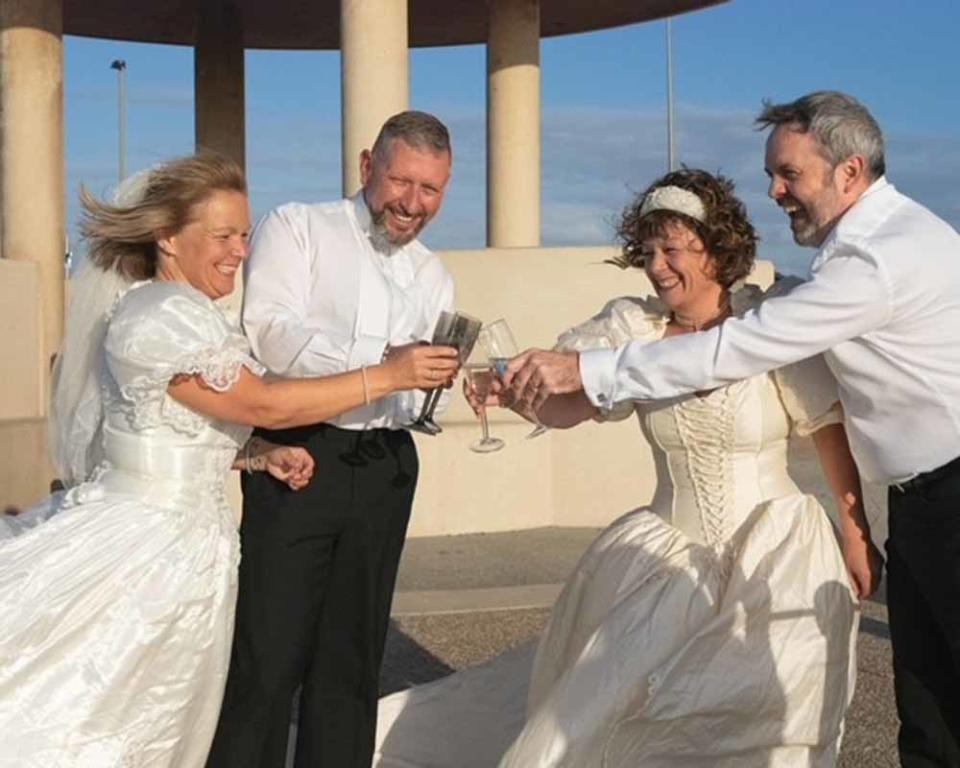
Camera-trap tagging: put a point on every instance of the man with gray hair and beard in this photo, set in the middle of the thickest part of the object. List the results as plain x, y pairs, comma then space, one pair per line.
883, 306
334, 287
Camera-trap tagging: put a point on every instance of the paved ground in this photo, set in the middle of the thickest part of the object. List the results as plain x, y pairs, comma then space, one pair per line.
463, 599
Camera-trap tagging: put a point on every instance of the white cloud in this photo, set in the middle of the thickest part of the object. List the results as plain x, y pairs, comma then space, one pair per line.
593, 161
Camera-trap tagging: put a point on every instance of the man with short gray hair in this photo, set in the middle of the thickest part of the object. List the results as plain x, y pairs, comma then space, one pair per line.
883, 305
333, 287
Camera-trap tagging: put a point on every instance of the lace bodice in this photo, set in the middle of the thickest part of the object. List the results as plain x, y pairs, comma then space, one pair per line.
721, 454
153, 446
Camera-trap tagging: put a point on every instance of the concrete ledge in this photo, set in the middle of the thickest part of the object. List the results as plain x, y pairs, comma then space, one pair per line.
471, 600
25, 472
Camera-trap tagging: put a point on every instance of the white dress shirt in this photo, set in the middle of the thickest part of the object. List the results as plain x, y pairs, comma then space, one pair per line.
882, 303
320, 299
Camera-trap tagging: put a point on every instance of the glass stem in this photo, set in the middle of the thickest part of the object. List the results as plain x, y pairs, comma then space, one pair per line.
484, 425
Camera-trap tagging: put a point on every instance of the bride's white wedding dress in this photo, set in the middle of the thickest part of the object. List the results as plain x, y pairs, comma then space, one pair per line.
715, 627
116, 613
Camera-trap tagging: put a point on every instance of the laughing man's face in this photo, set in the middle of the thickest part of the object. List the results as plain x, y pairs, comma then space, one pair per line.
804, 184
403, 188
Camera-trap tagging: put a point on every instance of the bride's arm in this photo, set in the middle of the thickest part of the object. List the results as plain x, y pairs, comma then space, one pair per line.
280, 403
863, 559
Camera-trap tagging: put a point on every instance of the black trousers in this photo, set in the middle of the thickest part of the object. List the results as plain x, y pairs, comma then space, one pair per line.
317, 575
923, 595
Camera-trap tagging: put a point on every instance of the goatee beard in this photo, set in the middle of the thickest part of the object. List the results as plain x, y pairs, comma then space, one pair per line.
380, 236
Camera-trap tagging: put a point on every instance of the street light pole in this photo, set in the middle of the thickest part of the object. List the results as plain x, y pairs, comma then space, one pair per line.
671, 158
121, 66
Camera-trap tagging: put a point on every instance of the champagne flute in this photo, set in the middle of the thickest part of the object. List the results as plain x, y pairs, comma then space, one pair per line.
480, 377
497, 341
453, 329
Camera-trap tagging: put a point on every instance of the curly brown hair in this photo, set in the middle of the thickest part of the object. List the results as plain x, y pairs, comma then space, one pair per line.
727, 235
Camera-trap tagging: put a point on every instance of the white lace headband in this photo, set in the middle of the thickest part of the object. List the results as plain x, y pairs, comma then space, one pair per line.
674, 199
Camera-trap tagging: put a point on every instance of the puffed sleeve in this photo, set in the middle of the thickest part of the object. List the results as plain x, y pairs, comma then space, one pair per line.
809, 394
621, 321
807, 388
161, 330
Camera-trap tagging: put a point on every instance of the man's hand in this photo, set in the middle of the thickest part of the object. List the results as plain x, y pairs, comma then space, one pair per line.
533, 376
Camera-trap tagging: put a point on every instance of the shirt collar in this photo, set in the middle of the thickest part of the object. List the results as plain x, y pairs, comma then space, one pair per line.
362, 212
875, 187
878, 185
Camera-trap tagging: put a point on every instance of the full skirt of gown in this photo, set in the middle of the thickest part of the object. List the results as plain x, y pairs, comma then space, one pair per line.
116, 618
117, 596
716, 627
660, 652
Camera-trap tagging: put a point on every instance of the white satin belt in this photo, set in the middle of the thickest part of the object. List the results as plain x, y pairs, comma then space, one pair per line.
162, 492
158, 473
160, 456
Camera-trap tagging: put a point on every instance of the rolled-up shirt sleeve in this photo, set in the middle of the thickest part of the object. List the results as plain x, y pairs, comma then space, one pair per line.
847, 297
275, 308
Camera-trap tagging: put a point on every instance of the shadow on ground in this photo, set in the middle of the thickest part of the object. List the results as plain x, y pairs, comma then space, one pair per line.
407, 663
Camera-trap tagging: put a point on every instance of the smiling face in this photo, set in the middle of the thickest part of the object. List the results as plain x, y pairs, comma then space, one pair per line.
681, 270
403, 188
208, 251
813, 193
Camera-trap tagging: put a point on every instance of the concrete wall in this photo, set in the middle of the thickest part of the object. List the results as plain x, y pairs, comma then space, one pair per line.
584, 476
24, 471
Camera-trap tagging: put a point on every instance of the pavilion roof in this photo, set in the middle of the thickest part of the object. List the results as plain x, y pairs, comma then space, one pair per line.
315, 24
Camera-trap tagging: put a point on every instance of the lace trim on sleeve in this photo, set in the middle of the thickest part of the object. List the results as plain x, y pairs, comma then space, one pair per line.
147, 404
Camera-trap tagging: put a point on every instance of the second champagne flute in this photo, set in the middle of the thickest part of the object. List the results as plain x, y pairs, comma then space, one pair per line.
497, 340
479, 376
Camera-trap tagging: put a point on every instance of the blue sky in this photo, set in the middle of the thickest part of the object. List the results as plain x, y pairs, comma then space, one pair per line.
603, 102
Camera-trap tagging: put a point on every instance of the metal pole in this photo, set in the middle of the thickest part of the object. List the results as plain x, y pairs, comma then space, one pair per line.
671, 158
120, 65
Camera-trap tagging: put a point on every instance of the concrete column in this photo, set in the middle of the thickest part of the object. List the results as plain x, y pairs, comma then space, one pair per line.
219, 80
31, 149
374, 75
513, 124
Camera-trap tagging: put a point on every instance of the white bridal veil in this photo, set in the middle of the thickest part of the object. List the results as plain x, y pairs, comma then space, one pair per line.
76, 412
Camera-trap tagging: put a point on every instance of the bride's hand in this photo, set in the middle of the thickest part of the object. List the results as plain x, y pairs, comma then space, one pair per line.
864, 565
289, 464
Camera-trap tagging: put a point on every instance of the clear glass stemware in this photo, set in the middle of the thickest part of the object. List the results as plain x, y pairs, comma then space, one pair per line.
480, 376
498, 342
453, 329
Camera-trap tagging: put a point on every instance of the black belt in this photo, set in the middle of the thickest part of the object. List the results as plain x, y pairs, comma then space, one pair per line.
926, 478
